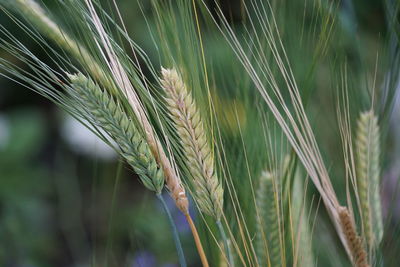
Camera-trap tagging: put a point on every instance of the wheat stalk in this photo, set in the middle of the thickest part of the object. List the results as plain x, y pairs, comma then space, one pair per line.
189, 126
108, 114
268, 245
367, 166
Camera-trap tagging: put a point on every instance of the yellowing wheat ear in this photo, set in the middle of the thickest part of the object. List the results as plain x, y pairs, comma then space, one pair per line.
200, 159
367, 166
360, 257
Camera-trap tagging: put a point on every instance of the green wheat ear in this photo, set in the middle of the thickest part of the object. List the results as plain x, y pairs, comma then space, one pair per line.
190, 129
108, 114
368, 172
268, 245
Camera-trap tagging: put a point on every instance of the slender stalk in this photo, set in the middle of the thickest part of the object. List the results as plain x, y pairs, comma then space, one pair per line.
196, 237
178, 245
226, 243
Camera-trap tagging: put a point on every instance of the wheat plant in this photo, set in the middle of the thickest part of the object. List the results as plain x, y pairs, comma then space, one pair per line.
281, 172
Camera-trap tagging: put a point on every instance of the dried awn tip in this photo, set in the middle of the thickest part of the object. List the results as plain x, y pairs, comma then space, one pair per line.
107, 114
368, 172
360, 258
189, 126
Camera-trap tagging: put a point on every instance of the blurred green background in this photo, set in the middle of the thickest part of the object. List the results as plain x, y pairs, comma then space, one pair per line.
67, 200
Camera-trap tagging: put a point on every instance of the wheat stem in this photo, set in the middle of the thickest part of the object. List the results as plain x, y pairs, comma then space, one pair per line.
178, 245
197, 241
367, 146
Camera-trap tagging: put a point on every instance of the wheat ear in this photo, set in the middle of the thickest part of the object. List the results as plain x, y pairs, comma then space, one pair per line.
367, 166
38, 17
359, 255
189, 126
268, 245
108, 114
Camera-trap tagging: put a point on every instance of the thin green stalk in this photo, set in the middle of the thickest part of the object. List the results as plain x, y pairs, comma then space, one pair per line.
178, 245
226, 243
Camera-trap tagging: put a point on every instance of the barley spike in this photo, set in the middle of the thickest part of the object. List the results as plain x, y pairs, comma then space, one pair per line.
367, 166
108, 114
189, 126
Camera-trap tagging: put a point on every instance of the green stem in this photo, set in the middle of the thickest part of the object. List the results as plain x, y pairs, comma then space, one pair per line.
226, 243
177, 241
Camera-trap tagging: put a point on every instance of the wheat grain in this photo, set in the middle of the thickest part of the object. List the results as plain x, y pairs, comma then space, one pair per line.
367, 166
108, 114
189, 126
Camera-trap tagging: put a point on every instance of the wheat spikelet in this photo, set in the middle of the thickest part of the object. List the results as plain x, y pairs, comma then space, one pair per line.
367, 146
108, 114
268, 227
360, 257
188, 124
